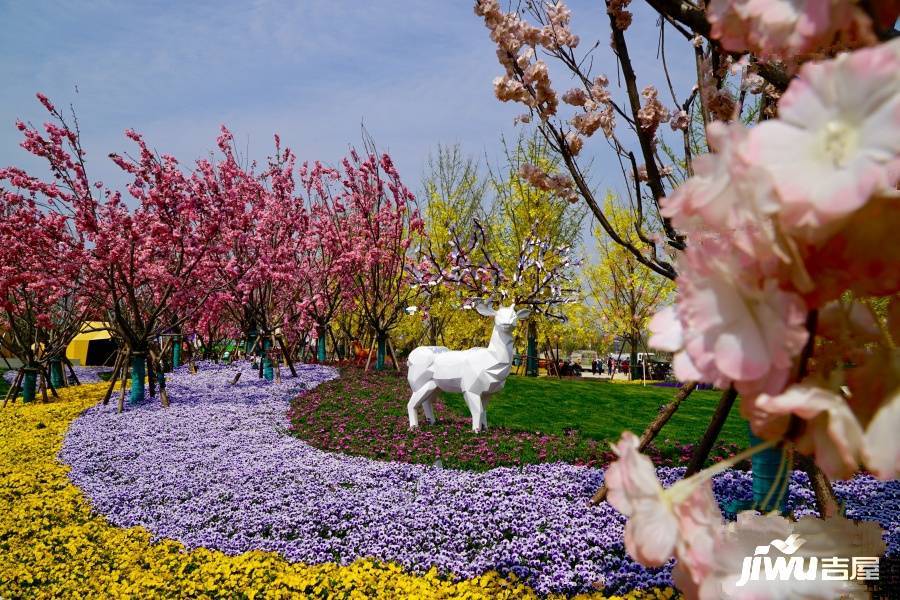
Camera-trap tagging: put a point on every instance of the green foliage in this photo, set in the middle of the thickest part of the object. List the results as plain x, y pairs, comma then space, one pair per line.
626, 292
456, 195
520, 211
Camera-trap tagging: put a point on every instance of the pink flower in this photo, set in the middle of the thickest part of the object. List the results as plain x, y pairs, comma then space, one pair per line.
785, 28
831, 430
679, 121
652, 113
700, 525
881, 449
575, 97
652, 529
730, 322
661, 521
837, 138
575, 142
727, 192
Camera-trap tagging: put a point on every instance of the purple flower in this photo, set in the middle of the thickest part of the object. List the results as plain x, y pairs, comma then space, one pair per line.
217, 469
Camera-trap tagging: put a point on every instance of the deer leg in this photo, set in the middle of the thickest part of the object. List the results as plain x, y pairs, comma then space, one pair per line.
484, 405
474, 402
428, 407
416, 399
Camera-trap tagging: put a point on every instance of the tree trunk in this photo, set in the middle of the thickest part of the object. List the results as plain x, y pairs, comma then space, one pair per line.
321, 349
57, 377
151, 376
826, 502
701, 451
653, 429
382, 351
633, 357
532, 363
137, 377
29, 384
769, 482
176, 352
268, 371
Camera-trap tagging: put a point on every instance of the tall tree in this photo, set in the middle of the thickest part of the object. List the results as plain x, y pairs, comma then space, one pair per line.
142, 264
42, 299
531, 203
454, 196
383, 220
627, 292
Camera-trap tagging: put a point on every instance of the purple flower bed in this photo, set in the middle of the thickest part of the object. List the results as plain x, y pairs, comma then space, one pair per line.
84, 374
217, 469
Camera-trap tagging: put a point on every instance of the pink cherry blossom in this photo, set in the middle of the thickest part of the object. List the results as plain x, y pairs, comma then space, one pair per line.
831, 430
634, 490
881, 450
683, 518
786, 28
837, 138
727, 193
734, 323
652, 113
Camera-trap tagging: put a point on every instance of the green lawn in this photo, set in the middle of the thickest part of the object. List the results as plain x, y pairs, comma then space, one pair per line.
534, 420
600, 410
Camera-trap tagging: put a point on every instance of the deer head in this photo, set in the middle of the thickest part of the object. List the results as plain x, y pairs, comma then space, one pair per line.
505, 318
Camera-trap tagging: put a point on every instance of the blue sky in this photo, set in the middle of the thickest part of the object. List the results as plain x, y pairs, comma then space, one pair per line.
416, 72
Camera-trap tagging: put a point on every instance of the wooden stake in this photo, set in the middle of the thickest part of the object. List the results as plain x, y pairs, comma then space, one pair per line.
653, 428
72, 369
334, 346
43, 387
551, 358
703, 447
369, 357
12, 392
45, 373
286, 356
117, 368
163, 394
393, 354
123, 379
276, 364
826, 502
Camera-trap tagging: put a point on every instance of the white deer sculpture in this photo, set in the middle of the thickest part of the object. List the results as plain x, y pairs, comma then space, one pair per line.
476, 372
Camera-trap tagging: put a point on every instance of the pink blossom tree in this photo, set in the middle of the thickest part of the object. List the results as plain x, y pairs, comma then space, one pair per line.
382, 221
149, 267
326, 262
264, 227
41, 283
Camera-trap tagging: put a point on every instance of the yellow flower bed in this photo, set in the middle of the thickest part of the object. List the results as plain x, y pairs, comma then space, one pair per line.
51, 545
